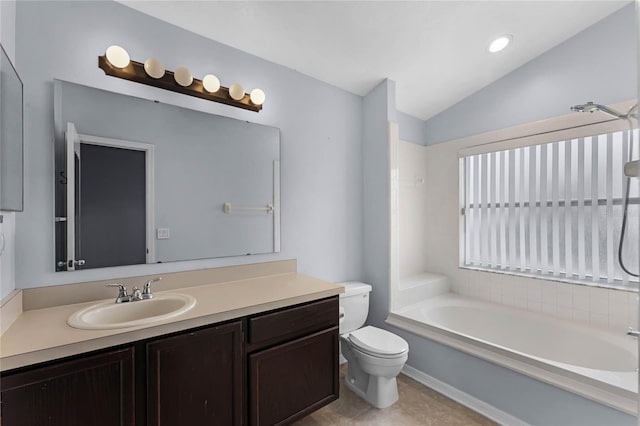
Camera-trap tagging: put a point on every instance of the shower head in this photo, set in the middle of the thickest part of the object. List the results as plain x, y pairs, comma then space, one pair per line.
591, 107
588, 107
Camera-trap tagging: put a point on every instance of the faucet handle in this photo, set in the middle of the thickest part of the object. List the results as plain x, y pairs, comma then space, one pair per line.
146, 291
122, 293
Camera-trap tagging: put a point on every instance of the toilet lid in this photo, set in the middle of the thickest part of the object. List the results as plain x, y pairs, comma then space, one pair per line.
378, 341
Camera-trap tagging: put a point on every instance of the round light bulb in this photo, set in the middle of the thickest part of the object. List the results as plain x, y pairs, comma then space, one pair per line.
183, 76
117, 56
211, 83
236, 91
500, 43
154, 68
257, 97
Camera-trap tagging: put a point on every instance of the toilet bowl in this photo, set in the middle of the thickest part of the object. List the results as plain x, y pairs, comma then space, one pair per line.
375, 356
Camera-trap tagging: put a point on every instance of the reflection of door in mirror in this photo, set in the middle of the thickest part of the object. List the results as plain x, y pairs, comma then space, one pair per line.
109, 186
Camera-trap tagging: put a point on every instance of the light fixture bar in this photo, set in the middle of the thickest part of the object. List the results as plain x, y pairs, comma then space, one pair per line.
135, 72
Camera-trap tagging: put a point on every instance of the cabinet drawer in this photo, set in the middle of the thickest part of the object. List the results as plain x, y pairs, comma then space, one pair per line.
290, 323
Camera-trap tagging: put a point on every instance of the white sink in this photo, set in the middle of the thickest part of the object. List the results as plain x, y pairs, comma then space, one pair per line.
110, 315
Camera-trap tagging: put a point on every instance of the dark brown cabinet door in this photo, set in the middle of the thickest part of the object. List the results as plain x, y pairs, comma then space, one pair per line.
195, 378
97, 390
289, 381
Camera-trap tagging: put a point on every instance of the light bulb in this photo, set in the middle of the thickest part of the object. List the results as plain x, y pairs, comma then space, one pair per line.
236, 92
154, 68
183, 76
257, 97
211, 83
117, 56
500, 43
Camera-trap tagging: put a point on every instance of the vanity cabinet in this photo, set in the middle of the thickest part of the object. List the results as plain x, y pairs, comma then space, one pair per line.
195, 378
271, 368
95, 390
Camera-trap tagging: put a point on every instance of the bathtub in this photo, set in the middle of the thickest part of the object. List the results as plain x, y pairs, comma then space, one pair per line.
592, 362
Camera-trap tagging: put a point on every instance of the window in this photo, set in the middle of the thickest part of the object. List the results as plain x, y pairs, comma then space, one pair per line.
553, 210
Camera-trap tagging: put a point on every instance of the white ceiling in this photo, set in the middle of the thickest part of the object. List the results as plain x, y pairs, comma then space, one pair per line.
436, 51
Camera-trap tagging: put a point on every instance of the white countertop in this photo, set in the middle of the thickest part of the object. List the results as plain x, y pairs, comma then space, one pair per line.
43, 334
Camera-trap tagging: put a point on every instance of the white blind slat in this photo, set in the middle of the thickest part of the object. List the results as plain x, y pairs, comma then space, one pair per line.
484, 210
544, 222
512, 209
493, 182
555, 207
522, 211
625, 158
503, 210
595, 222
568, 223
610, 244
580, 195
533, 210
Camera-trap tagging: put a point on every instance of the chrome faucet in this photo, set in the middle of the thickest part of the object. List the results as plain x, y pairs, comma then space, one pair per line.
146, 290
136, 294
122, 294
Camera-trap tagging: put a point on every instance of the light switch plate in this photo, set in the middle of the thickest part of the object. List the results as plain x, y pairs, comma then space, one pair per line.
163, 234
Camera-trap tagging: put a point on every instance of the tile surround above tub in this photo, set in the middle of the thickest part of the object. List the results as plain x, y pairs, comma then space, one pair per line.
615, 309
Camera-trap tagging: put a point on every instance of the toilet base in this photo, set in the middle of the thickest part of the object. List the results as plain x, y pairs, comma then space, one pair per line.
381, 392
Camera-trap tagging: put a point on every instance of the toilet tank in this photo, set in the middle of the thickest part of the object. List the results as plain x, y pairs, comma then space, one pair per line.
354, 305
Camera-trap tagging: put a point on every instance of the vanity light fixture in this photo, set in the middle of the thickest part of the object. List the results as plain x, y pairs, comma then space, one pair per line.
211, 83
117, 56
236, 91
183, 76
500, 43
257, 97
116, 63
154, 68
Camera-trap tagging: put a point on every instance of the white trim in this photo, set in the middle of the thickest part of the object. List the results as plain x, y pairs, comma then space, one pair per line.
276, 206
603, 393
71, 140
149, 159
570, 126
463, 398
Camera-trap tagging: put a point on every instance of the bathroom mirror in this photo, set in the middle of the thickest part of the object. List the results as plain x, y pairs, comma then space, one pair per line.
138, 181
11, 136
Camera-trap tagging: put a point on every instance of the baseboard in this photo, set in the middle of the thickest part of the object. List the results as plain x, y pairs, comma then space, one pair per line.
463, 398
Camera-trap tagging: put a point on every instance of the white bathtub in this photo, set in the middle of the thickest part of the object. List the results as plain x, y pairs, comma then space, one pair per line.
592, 362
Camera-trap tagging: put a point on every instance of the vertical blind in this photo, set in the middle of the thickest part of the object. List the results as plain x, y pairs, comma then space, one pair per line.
553, 209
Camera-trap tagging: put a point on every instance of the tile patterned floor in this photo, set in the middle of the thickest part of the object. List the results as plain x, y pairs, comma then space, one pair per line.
418, 406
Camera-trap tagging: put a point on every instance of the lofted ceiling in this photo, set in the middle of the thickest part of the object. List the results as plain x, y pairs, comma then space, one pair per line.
435, 51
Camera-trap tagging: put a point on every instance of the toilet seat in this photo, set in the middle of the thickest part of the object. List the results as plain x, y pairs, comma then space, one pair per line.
378, 342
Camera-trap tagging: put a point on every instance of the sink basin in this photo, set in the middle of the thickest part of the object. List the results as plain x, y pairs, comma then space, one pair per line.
110, 315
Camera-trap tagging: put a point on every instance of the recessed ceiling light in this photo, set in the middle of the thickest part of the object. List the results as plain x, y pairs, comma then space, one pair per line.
500, 43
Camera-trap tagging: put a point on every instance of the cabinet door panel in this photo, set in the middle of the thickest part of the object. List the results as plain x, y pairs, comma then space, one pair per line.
94, 391
291, 380
196, 378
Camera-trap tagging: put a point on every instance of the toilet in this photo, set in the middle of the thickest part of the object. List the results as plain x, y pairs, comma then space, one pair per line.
375, 356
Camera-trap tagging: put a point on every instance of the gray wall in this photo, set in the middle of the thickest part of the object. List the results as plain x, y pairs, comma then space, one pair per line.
321, 134
378, 111
8, 27
599, 64
7, 260
411, 129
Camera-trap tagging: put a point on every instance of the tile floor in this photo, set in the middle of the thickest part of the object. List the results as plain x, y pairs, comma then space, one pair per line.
418, 405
